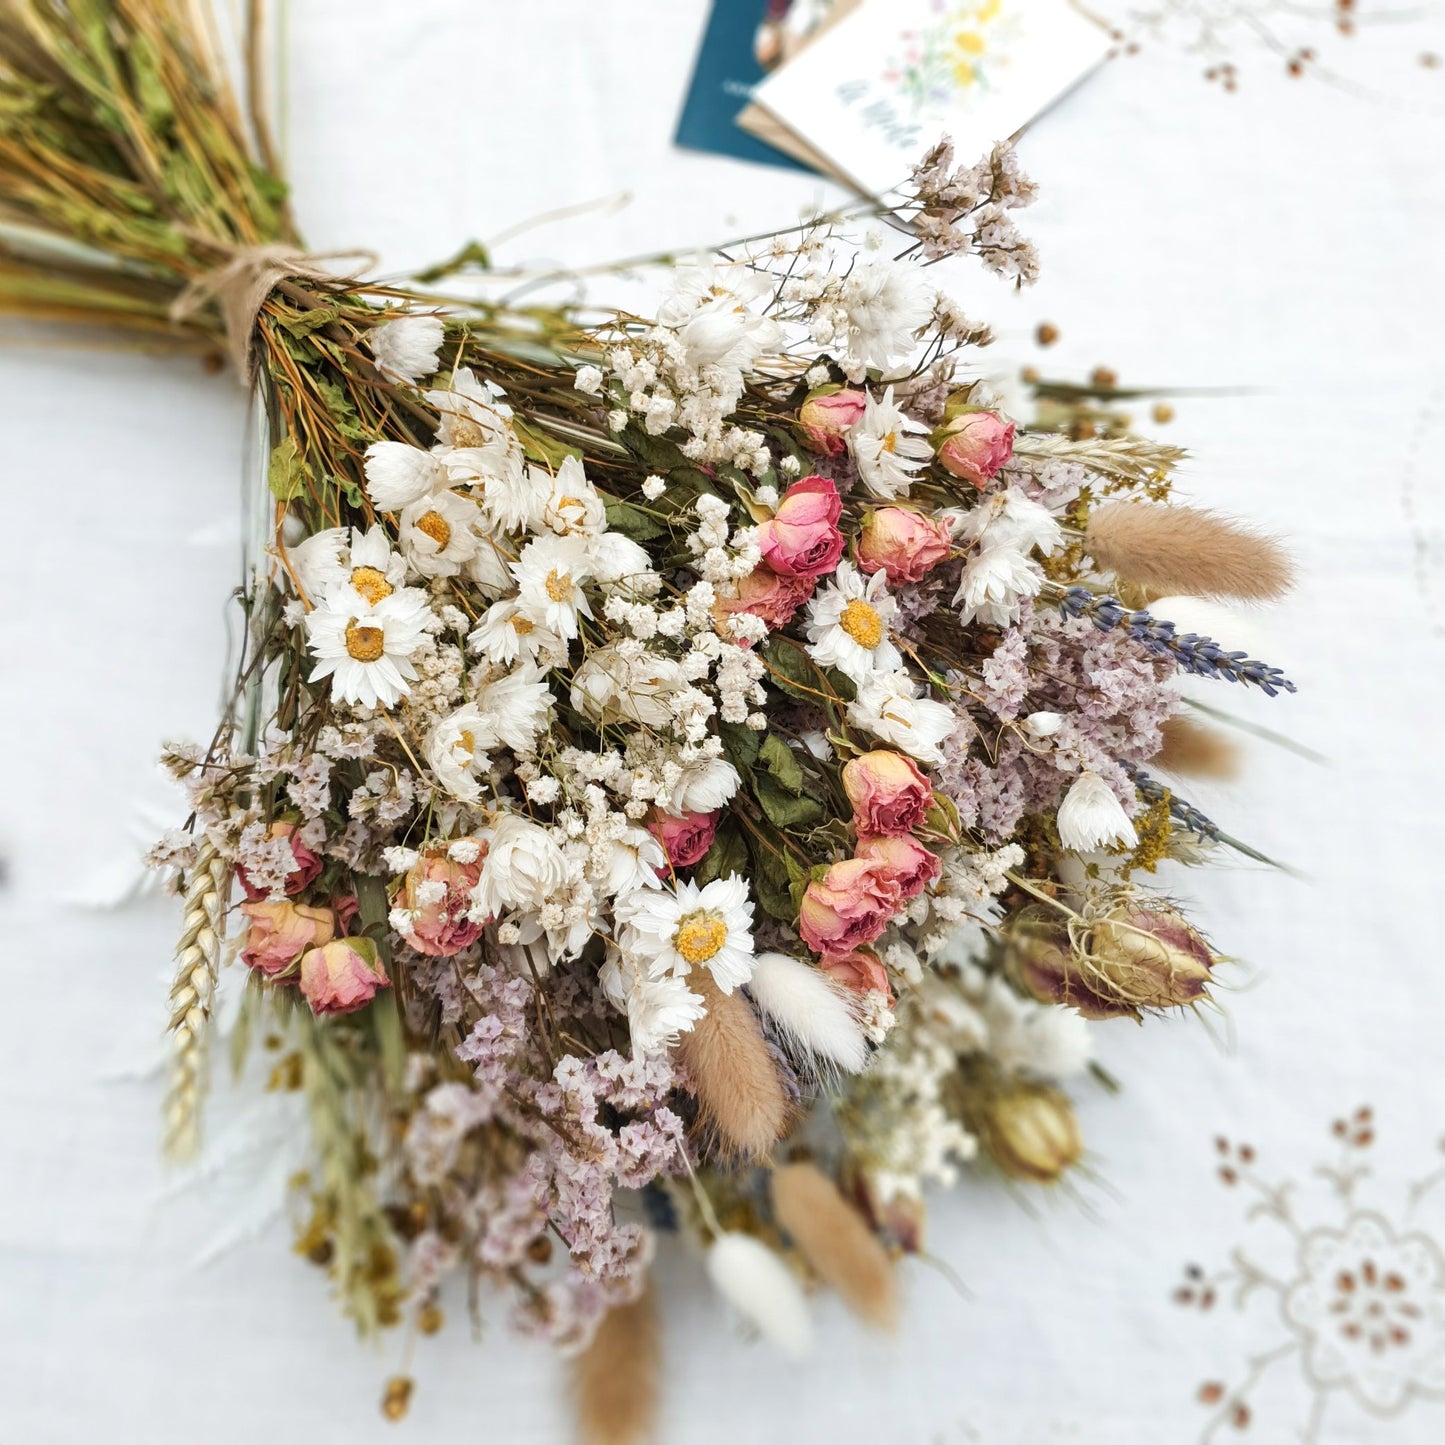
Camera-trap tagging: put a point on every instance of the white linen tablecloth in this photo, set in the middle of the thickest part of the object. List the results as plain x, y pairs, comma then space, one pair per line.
1283, 242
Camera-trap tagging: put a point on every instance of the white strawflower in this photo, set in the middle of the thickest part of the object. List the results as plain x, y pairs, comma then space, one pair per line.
887, 303
588, 380
610, 688
618, 561
573, 504
319, 561
505, 636
1042, 724
888, 446
710, 309
365, 647
632, 862
513, 709
1010, 521
657, 1009
407, 347
1091, 816
848, 624
994, 583
454, 752
523, 868
550, 573
675, 930
704, 785
888, 706
397, 474
436, 534
471, 413
490, 567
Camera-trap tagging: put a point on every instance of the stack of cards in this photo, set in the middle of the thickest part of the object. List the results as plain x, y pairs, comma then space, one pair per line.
859, 89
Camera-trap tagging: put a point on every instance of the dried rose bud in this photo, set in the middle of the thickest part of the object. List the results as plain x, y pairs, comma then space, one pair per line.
974, 444
827, 414
1029, 1131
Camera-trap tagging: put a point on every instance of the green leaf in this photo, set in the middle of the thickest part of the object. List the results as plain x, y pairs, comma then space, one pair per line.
472, 255
785, 809
782, 762
770, 883
728, 854
286, 474
301, 326
792, 670
633, 522
740, 745
341, 410
540, 447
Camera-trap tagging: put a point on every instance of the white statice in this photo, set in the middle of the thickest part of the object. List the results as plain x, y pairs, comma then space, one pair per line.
453, 749
397, 474
573, 503
1091, 816
437, 534
550, 574
617, 685
887, 303
890, 706
888, 446
848, 624
505, 635
523, 868
366, 647
994, 584
675, 930
407, 346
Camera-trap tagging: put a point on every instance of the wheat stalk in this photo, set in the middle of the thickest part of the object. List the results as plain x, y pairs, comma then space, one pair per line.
1130, 459
198, 960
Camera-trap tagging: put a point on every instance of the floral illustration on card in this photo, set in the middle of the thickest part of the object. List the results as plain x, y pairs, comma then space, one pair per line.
963, 48
1357, 1290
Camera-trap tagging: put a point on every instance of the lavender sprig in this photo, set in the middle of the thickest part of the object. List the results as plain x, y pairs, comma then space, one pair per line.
1191, 653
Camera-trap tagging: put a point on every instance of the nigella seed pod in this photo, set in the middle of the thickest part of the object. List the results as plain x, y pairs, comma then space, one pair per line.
1151, 955
1029, 1131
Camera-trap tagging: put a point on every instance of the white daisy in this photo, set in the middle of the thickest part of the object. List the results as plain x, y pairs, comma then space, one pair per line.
437, 535
1091, 816
674, 930
704, 785
365, 646
454, 751
848, 623
319, 561
397, 474
505, 636
573, 504
471, 412
888, 705
994, 582
888, 446
887, 302
550, 573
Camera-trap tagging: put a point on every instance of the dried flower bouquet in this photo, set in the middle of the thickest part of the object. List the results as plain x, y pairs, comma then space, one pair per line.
656, 735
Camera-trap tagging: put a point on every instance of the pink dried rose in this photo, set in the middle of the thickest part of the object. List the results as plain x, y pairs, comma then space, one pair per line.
342, 976
859, 971
277, 934
904, 544
305, 867
769, 595
828, 414
851, 905
974, 445
437, 893
906, 863
684, 837
801, 539
888, 792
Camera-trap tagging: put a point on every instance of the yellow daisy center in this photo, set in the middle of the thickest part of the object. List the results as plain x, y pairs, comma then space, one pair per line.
365, 644
700, 936
465, 432
890, 442
436, 527
370, 584
862, 623
559, 586
523, 625
564, 502
467, 743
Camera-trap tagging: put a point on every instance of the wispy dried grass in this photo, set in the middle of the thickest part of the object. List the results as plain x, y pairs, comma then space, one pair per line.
617, 1379
1181, 549
834, 1238
733, 1073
